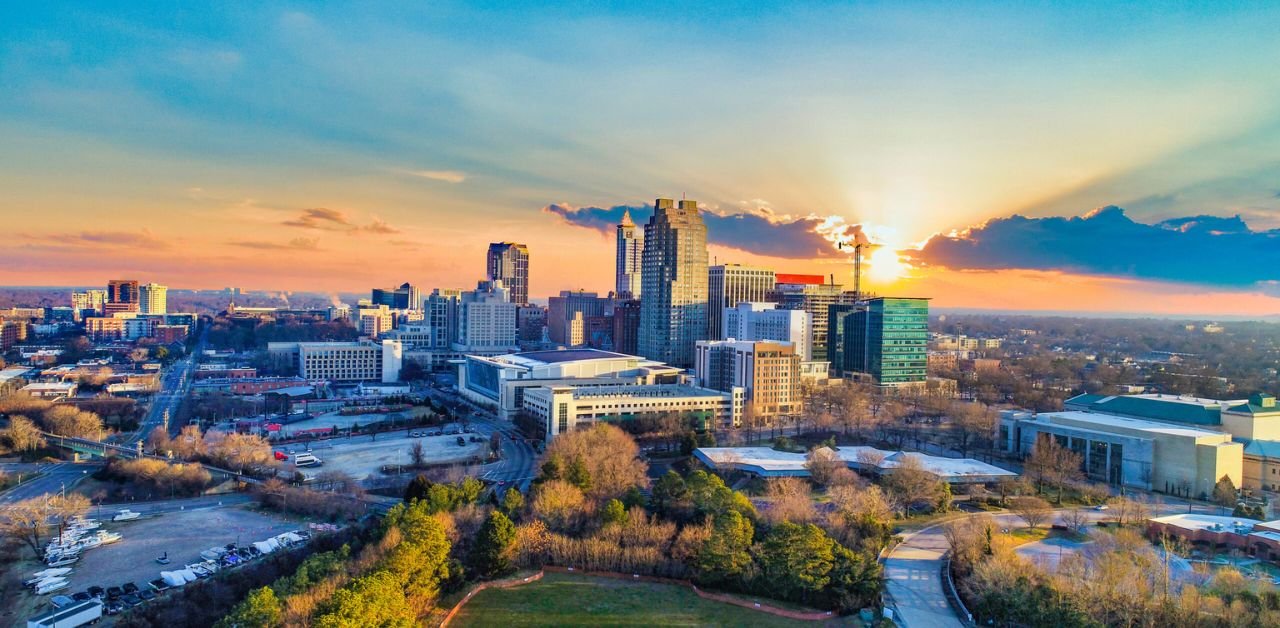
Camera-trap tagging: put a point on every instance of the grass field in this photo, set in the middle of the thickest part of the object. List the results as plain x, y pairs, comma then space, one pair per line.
573, 600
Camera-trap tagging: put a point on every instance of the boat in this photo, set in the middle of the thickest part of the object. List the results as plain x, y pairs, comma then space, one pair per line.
125, 515
107, 538
62, 561
46, 573
51, 587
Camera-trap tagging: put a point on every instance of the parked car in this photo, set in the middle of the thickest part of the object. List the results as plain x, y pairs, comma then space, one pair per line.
159, 585
280, 455
146, 596
114, 593
461, 441
97, 591
131, 600
82, 596
129, 587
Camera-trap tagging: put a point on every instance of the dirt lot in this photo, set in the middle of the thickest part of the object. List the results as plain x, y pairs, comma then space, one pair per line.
361, 457
183, 534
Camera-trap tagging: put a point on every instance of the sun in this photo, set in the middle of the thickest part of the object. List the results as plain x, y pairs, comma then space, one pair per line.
884, 265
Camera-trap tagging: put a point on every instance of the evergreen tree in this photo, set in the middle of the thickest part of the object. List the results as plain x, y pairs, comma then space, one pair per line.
613, 512
726, 555
668, 491
512, 503
797, 560
260, 609
578, 475
491, 555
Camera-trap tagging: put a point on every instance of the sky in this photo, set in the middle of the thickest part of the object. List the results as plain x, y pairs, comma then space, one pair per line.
1101, 157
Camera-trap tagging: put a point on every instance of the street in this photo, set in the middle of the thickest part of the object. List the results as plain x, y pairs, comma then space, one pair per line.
174, 385
56, 477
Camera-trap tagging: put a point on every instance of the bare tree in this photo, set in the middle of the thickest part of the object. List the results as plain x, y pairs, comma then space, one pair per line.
1076, 520
1033, 510
417, 458
23, 435
1128, 511
823, 465
1052, 464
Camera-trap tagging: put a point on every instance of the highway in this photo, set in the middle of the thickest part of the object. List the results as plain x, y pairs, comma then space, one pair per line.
55, 477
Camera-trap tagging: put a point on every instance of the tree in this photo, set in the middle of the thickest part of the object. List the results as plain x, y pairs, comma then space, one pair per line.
610, 457
260, 609
789, 501
1224, 493
491, 555
613, 512
417, 488
688, 443
417, 458
726, 555
1051, 463
1126, 511
796, 560
1076, 520
551, 468
28, 521
1033, 510
512, 502
668, 491
855, 579
22, 434
911, 484
558, 503
578, 475
823, 465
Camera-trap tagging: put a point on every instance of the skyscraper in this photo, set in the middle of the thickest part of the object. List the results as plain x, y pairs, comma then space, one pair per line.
563, 315
406, 297
630, 252
731, 284
673, 310
887, 340
487, 319
122, 296
153, 298
508, 262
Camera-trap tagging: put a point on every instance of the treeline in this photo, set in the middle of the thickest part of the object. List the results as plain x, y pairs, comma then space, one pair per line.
27, 416
225, 333
148, 477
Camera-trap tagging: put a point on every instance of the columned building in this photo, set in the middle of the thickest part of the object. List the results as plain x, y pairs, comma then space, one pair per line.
673, 312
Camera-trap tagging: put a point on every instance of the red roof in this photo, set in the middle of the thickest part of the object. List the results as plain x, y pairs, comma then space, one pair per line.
813, 280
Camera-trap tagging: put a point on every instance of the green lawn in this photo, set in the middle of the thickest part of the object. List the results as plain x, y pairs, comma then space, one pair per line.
573, 600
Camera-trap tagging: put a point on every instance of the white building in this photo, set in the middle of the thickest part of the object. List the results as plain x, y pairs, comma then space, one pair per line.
154, 299
754, 320
344, 361
374, 320
731, 284
627, 264
565, 408
500, 381
487, 320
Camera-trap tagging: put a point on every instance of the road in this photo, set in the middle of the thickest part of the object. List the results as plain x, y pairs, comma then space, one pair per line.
913, 569
56, 477
518, 457
174, 385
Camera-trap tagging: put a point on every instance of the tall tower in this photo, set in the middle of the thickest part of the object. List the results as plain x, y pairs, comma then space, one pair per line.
508, 262
673, 311
731, 284
630, 250
154, 298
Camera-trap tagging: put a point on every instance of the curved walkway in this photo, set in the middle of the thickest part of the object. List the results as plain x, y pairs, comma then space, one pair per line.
913, 572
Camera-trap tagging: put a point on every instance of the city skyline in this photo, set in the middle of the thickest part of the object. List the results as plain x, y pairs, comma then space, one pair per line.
136, 148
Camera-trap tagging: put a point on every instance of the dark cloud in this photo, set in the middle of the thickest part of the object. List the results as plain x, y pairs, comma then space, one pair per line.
296, 244
797, 238
1212, 250
320, 218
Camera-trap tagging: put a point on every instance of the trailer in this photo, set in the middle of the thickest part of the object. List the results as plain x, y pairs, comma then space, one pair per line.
70, 616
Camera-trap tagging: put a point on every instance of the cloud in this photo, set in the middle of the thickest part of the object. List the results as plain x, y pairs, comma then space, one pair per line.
448, 176
143, 239
296, 244
380, 227
1211, 250
761, 231
320, 218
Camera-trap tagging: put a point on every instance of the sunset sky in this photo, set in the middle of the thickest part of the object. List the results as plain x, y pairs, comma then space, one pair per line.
1055, 156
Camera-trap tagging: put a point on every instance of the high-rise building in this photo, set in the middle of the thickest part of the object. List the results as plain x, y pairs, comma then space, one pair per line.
887, 340
508, 262
811, 294
153, 298
626, 326
406, 297
673, 310
88, 303
629, 259
532, 321
122, 296
769, 372
374, 320
764, 321
567, 314
731, 284
487, 319
442, 316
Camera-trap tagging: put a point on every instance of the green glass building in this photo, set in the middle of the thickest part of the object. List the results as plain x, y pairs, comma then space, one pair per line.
884, 338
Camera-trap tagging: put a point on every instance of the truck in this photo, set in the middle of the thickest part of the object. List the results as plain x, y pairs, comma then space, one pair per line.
70, 616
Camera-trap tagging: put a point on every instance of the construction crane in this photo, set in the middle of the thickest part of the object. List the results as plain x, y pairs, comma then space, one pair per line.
857, 267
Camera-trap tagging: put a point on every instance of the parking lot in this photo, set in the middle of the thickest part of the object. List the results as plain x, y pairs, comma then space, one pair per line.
363, 456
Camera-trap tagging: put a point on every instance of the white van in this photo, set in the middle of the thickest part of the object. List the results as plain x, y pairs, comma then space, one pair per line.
307, 459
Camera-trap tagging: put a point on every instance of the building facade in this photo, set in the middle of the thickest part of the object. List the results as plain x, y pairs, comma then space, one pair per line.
626, 327
885, 339
567, 316
487, 320
630, 248
764, 321
122, 296
406, 297
768, 373
344, 362
810, 293
508, 262
673, 311
731, 284
563, 409
153, 298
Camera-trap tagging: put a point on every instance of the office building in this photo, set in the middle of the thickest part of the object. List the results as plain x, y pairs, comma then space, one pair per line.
626, 326
673, 310
153, 298
122, 327
567, 316
406, 297
487, 320
374, 320
532, 323
731, 284
885, 340
500, 381
508, 262
811, 293
764, 321
627, 283
768, 372
122, 296
563, 409
442, 316
88, 303
343, 362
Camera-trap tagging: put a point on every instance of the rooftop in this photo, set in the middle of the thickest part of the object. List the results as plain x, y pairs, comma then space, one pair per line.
1212, 523
1111, 420
567, 355
13, 372
1156, 406
769, 462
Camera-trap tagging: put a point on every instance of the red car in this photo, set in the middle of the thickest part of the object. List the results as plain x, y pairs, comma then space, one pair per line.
280, 455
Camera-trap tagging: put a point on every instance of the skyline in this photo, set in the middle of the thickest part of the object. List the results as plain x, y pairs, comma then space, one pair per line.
335, 150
